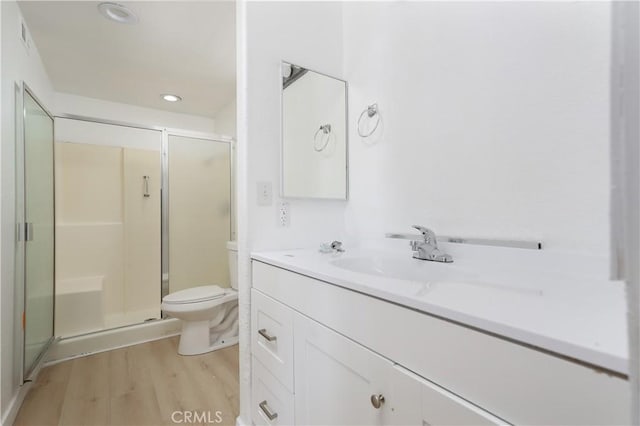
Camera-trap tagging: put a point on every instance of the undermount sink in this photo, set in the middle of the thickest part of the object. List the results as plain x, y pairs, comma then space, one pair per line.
404, 269
433, 275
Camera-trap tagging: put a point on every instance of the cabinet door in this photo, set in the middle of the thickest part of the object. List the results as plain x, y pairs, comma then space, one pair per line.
437, 405
336, 378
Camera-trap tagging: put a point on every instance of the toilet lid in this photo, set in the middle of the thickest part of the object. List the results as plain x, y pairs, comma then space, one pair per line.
195, 294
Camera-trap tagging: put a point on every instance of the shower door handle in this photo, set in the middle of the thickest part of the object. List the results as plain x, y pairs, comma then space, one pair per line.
146, 186
28, 231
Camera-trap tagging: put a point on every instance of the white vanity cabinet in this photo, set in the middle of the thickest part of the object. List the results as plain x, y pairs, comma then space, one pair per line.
323, 354
339, 382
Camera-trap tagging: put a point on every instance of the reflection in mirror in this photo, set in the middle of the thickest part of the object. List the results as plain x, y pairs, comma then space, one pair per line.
314, 134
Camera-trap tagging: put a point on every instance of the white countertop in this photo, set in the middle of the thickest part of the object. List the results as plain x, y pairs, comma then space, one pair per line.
546, 300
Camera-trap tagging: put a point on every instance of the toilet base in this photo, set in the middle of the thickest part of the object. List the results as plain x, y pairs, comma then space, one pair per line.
199, 337
194, 339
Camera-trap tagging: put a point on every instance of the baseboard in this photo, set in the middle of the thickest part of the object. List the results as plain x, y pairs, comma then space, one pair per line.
10, 415
74, 347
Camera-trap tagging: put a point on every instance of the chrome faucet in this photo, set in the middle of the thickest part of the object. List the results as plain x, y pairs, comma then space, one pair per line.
426, 249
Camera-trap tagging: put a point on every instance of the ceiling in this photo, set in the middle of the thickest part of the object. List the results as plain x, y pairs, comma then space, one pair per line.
181, 47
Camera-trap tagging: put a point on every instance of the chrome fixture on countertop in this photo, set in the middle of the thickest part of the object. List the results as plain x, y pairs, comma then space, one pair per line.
427, 249
333, 247
521, 244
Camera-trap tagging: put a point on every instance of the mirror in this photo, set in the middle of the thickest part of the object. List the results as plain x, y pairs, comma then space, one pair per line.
314, 134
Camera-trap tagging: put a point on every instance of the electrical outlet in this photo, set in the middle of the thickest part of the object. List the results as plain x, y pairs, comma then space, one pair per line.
284, 216
265, 194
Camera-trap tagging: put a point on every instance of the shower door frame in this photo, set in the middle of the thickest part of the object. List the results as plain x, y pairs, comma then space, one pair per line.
210, 137
164, 186
21, 234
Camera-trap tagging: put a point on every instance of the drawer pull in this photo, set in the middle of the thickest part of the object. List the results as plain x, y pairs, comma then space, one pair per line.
267, 411
263, 333
377, 400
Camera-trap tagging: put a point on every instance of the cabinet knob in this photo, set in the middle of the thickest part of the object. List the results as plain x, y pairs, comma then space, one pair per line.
377, 400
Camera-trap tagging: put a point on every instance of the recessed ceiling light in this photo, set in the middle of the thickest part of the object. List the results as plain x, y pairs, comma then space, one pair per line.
171, 98
118, 13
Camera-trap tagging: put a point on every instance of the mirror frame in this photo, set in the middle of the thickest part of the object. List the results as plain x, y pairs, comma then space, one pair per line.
346, 133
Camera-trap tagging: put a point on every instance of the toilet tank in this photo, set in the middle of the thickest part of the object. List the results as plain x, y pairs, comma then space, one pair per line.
232, 249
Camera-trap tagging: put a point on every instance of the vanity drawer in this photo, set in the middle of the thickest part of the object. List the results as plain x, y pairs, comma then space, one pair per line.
272, 336
271, 402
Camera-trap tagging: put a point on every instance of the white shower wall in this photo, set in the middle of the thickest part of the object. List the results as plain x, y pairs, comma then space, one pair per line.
105, 226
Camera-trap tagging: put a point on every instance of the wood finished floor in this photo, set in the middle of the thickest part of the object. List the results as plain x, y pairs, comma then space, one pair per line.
137, 385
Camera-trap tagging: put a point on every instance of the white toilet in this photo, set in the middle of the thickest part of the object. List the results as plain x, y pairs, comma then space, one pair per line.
209, 313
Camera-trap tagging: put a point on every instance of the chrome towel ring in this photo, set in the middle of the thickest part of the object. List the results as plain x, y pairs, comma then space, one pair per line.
324, 137
371, 111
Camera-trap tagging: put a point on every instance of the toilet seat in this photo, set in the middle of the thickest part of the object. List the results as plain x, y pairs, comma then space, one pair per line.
194, 294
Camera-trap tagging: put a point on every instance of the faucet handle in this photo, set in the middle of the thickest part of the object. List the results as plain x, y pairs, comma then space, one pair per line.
429, 235
337, 246
420, 228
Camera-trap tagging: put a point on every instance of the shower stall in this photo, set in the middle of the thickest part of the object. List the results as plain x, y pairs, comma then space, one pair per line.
140, 212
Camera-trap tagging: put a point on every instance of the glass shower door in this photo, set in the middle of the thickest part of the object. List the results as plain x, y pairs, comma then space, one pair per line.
38, 232
199, 212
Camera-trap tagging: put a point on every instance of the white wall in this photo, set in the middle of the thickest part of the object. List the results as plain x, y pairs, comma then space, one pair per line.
625, 134
495, 120
106, 110
308, 34
16, 65
226, 120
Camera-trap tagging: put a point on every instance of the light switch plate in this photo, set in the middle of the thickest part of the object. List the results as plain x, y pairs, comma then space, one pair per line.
265, 194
